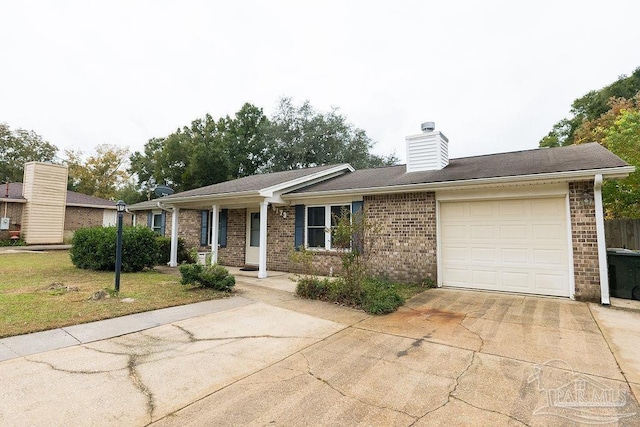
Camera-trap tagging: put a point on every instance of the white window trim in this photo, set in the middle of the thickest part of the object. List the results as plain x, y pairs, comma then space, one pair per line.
153, 222
327, 220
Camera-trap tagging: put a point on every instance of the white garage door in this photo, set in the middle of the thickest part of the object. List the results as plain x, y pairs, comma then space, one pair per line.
510, 245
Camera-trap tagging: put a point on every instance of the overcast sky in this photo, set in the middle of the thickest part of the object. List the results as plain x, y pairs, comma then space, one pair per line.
493, 75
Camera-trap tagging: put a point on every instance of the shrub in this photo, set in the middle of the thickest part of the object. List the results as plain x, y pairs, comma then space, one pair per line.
210, 276
375, 296
313, 288
380, 296
164, 251
95, 248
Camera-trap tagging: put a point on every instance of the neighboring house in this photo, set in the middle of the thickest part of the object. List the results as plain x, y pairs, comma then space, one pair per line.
44, 211
527, 222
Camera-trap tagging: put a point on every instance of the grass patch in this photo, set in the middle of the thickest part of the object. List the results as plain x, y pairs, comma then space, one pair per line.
40, 291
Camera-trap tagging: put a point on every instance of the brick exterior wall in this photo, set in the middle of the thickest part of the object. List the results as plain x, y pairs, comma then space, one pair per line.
585, 243
233, 254
407, 247
77, 217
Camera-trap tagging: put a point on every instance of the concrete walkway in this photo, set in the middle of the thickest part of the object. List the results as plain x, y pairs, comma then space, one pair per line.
265, 357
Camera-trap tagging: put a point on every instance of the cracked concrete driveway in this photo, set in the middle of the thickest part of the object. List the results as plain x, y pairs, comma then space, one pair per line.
449, 357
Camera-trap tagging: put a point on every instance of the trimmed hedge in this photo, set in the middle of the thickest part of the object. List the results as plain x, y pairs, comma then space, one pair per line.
94, 248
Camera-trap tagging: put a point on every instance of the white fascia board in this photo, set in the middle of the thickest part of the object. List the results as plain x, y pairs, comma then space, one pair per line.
5, 200
621, 172
314, 178
209, 197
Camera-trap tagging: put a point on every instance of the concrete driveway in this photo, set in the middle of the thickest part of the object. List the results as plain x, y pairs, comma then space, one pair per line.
449, 357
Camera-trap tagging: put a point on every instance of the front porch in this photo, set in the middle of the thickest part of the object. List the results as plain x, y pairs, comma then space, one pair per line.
277, 280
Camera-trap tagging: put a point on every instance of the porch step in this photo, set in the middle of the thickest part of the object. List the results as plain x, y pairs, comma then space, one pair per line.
249, 267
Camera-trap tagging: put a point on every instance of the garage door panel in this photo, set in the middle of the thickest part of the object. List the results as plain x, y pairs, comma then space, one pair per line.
515, 281
548, 231
549, 258
483, 232
551, 284
548, 208
455, 254
515, 256
458, 277
485, 279
517, 245
455, 231
514, 231
481, 210
517, 208
483, 255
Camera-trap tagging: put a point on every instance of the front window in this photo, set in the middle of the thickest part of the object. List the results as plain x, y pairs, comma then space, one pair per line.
156, 224
320, 220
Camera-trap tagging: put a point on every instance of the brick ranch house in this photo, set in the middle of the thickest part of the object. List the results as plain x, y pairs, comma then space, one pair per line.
43, 211
526, 222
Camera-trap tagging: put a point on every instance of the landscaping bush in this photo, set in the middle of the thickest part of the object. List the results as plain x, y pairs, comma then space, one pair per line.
210, 276
380, 296
375, 296
95, 248
312, 287
164, 251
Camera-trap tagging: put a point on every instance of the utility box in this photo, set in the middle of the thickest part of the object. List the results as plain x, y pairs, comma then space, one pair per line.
624, 273
202, 258
4, 223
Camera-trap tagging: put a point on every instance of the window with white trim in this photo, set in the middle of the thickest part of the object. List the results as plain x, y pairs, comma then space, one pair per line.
319, 220
156, 223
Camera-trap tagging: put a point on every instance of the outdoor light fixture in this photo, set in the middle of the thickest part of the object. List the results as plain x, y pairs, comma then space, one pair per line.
120, 206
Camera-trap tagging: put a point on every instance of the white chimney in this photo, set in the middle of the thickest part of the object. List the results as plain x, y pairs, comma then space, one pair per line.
428, 150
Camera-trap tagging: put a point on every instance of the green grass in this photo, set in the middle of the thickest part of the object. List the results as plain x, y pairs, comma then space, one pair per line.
29, 304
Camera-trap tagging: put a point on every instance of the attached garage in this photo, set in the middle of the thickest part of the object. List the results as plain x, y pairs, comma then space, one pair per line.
511, 244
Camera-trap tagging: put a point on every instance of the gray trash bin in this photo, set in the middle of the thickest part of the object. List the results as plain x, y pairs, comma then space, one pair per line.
624, 273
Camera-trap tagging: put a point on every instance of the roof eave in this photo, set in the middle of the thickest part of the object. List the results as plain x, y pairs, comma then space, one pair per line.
617, 172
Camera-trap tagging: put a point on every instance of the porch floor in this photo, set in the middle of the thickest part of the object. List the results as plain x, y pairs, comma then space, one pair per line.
275, 279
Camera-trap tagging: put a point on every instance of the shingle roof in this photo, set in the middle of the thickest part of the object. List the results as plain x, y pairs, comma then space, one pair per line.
518, 163
250, 183
73, 198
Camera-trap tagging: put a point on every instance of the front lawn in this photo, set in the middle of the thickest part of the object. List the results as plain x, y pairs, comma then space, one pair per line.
40, 291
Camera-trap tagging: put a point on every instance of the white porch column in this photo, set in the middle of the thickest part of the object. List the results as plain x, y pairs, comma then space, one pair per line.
602, 247
173, 259
214, 234
262, 264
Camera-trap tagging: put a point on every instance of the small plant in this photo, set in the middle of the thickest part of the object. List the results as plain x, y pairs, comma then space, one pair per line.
428, 283
18, 242
209, 276
304, 258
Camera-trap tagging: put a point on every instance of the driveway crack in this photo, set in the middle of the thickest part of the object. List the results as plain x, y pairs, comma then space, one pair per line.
453, 390
139, 384
343, 394
491, 410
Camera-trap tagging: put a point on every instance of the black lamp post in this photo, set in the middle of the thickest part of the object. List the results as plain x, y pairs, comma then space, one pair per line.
120, 205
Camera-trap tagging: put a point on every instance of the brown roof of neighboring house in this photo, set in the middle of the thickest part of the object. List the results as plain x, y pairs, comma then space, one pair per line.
518, 163
14, 192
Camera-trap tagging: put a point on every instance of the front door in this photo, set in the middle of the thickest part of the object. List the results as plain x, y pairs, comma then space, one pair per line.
253, 237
